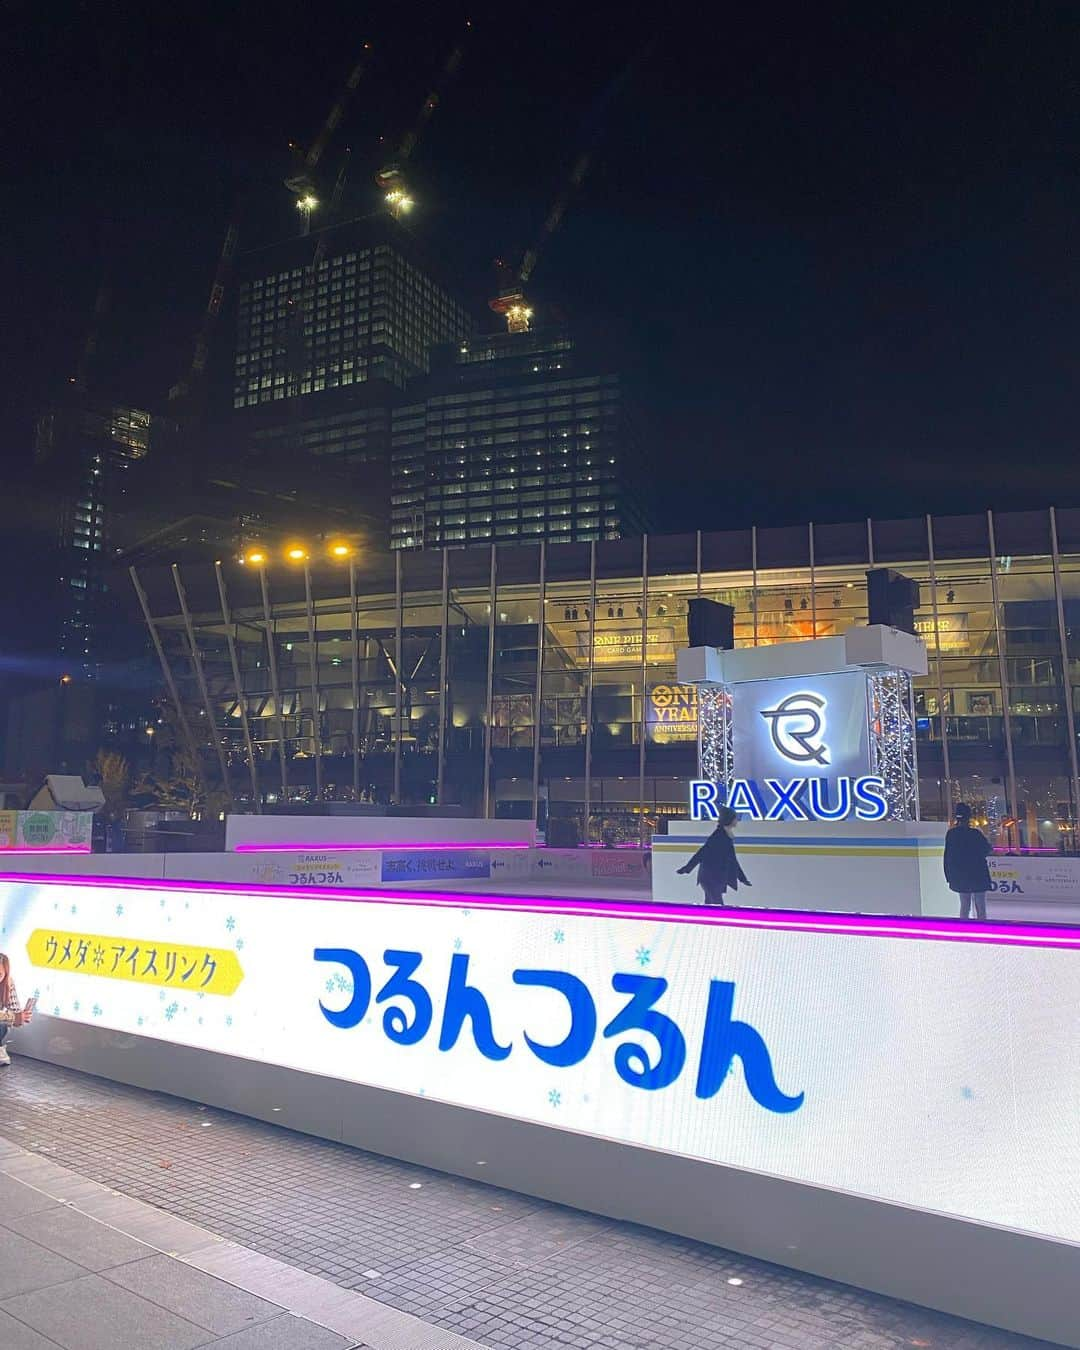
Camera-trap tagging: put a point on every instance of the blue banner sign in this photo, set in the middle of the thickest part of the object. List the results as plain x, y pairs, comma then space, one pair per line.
426, 865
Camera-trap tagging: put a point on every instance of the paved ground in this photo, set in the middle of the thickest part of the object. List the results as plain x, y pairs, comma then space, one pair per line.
494, 1267
70, 1280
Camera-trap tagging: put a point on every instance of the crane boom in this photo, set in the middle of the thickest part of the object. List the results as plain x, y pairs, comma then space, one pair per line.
302, 181
337, 112
190, 383
390, 179
510, 301
102, 304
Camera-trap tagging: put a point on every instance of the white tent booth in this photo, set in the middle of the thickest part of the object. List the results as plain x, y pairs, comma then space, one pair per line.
812, 743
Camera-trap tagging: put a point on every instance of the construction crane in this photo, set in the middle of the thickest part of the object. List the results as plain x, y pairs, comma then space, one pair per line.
510, 299
390, 179
102, 304
302, 181
190, 386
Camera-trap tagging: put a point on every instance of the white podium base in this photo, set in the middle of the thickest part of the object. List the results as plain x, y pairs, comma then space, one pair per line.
855, 867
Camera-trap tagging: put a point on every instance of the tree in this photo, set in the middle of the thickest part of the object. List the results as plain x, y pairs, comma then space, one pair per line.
114, 776
184, 783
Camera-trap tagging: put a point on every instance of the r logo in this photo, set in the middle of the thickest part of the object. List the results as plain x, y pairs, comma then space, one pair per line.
797, 725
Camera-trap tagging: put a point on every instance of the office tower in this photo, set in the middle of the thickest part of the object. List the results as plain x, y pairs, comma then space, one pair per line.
521, 434
330, 327
90, 455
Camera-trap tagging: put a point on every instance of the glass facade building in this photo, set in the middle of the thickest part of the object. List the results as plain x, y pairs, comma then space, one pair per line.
539, 679
511, 436
87, 454
363, 308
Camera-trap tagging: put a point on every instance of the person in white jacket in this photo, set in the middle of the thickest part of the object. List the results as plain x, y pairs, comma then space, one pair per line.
11, 1013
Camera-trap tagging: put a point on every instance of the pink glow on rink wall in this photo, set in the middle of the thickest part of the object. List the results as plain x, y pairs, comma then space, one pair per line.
795, 921
43, 848
360, 848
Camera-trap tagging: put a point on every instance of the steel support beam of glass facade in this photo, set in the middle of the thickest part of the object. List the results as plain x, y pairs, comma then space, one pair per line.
238, 686
166, 669
195, 657
549, 655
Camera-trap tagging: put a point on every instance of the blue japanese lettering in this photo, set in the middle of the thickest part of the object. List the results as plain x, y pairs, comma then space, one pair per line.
579, 1039
396, 1025
357, 1006
631, 1060
723, 1039
464, 1001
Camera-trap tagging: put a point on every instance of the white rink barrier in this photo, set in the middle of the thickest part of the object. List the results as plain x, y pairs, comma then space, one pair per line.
888, 1102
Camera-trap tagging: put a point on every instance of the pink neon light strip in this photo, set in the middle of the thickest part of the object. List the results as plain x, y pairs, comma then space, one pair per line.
359, 848
44, 848
776, 920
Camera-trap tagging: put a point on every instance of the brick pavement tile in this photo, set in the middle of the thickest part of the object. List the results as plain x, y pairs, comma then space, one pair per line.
199, 1298
92, 1314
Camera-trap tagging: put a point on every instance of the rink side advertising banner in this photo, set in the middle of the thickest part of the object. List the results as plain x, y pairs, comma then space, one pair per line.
938, 1074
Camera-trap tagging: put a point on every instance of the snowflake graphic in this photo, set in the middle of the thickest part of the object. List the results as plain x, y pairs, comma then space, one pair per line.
171, 1011
643, 956
56, 1011
200, 1021
967, 1094
555, 1097
161, 902
330, 985
343, 982
74, 909
138, 1021
457, 944
239, 944
560, 936
228, 1020
161, 995
75, 1005
119, 910
96, 1010
230, 923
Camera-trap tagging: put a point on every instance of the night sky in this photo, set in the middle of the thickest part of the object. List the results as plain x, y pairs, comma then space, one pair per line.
842, 238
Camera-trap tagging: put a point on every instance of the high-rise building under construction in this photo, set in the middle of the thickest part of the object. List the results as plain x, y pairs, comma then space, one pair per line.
526, 434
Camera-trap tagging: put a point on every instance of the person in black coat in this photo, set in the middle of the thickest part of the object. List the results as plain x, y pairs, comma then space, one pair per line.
966, 870
718, 868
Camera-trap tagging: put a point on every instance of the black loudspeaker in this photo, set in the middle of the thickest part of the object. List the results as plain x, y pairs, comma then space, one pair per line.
892, 598
710, 624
